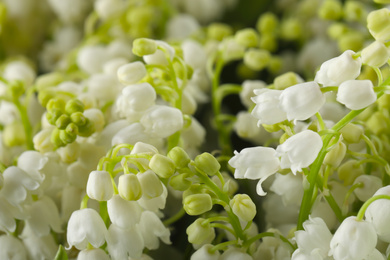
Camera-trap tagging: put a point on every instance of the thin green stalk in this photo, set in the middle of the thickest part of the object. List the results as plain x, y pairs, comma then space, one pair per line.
269, 234
174, 218
363, 209
26, 122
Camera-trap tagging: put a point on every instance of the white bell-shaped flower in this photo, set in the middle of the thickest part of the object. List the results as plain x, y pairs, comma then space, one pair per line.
289, 187
99, 186
299, 151
204, 253
124, 243
353, 240
160, 57
131, 73
162, 121
234, 253
152, 229
38, 247
103, 87
123, 213
302, 101
370, 183
194, 54
154, 204
12, 248
378, 213
247, 91
356, 94
246, 125
96, 117
150, 184
86, 226
337, 70
8, 215
93, 254
255, 163
313, 240
19, 70
91, 59
267, 108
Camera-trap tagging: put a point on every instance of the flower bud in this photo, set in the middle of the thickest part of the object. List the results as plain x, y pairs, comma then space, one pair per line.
207, 164
78, 118
336, 155
42, 141
377, 123
378, 23
73, 106
247, 37
129, 187
199, 233
349, 171
330, 10
352, 40
286, 80
144, 46
53, 115
162, 166
55, 138
376, 54
370, 184
197, 204
48, 80
205, 253
62, 121
179, 157
180, 182
351, 133
218, 31
291, 29
257, 59
55, 104
99, 186
268, 42
243, 206
96, 117
131, 73
13, 134
267, 23
67, 137
86, 130
150, 184
336, 30
356, 94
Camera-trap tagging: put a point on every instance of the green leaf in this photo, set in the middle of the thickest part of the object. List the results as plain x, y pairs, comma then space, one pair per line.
61, 254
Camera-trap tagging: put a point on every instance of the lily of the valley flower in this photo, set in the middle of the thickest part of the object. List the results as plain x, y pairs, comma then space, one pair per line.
267, 108
356, 94
99, 186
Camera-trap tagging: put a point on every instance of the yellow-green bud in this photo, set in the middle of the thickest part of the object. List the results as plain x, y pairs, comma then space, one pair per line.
267, 23
16, 88
199, 233
197, 204
87, 130
352, 40
140, 15
243, 207
384, 102
247, 37
78, 118
67, 137
129, 187
13, 134
162, 166
72, 128
352, 133
336, 30
53, 115
291, 29
180, 182
55, 103
218, 31
335, 156
179, 157
257, 59
73, 106
275, 64
271, 128
376, 54
268, 42
231, 185
284, 137
45, 96
48, 80
330, 10
144, 46
286, 80
354, 11
349, 171
377, 123
207, 164
378, 23
62, 121
55, 138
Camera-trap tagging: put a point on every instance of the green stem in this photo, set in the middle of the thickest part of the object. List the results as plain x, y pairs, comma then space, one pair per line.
363, 209
26, 122
174, 218
222, 245
269, 234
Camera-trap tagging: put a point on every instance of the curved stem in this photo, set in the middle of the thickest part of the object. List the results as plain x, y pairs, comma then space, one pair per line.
269, 234
363, 209
175, 217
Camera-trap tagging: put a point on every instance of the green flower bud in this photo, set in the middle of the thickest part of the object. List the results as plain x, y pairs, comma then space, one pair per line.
284, 137
267, 23
275, 64
56, 103
231, 185
330, 10
45, 96
180, 182
72, 128
53, 115
351, 133
48, 80
351, 41
378, 23
376, 54
16, 88
67, 137
199, 233
129, 187
78, 118
291, 29
268, 42
354, 11
377, 123
144, 46
335, 156
271, 128
197, 204
247, 37
62, 121
349, 171
384, 102
257, 59
162, 166
179, 157
207, 164
86, 130
286, 80
243, 207
218, 31
73, 106
336, 30
55, 138
13, 134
